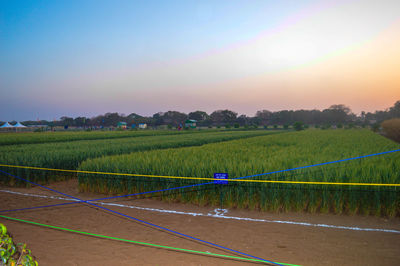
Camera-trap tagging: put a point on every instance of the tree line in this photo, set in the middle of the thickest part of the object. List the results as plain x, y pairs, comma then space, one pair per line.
337, 114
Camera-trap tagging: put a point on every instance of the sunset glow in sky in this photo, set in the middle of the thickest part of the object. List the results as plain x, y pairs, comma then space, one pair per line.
84, 58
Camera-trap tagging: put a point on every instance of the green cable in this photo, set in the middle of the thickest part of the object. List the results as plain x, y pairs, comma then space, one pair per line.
140, 243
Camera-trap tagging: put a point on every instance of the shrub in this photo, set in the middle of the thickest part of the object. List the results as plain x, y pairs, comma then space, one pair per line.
11, 254
391, 129
375, 127
298, 126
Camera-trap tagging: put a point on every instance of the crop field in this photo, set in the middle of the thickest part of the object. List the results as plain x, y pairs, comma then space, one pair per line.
264, 154
68, 155
197, 216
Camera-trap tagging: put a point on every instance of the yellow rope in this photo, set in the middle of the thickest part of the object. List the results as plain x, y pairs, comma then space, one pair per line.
206, 178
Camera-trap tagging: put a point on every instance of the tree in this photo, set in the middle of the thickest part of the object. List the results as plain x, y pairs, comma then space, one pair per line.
243, 120
264, 117
337, 113
199, 116
80, 121
395, 110
223, 116
174, 118
67, 121
158, 118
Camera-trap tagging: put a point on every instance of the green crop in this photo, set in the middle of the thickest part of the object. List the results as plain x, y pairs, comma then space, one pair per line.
48, 137
260, 155
68, 155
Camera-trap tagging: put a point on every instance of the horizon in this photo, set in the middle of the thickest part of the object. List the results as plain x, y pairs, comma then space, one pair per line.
86, 58
187, 113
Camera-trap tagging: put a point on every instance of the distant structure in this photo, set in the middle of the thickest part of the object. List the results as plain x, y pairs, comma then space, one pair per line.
122, 125
142, 126
19, 125
190, 123
7, 125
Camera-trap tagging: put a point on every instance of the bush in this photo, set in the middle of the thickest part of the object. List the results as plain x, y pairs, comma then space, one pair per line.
236, 125
391, 129
227, 126
275, 126
285, 126
298, 126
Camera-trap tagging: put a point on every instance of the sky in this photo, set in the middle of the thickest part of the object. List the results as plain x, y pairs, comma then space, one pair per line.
85, 58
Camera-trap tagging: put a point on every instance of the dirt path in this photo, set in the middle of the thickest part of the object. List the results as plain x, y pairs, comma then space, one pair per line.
288, 243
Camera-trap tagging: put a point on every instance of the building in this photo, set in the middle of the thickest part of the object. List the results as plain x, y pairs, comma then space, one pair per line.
190, 123
122, 125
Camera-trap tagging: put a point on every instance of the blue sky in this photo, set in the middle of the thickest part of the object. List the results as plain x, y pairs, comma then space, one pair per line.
90, 57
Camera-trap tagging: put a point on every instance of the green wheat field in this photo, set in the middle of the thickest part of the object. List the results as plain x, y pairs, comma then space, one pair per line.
238, 153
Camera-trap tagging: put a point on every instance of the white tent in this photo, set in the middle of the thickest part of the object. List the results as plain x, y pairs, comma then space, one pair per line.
19, 125
6, 125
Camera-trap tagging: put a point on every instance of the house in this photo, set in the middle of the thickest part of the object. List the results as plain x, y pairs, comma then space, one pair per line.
142, 126
122, 125
190, 123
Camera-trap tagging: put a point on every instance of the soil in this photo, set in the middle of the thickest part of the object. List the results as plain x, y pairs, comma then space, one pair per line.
287, 243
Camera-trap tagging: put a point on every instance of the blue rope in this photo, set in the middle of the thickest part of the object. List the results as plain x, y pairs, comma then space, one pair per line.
148, 223
319, 164
207, 183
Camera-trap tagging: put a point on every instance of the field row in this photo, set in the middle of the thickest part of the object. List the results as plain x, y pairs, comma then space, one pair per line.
47, 137
265, 154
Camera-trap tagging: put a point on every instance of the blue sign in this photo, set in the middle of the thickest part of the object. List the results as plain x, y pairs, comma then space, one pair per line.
221, 176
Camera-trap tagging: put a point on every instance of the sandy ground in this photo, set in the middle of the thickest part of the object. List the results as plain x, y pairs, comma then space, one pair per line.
288, 243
